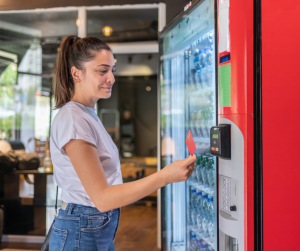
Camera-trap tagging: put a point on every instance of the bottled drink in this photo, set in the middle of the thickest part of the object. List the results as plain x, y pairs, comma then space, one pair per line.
199, 201
204, 170
198, 244
211, 216
208, 55
192, 242
198, 169
203, 247
199, 222
202, 59
209, 65
192, 123
198, 79
205, 217
194, 216
210, 207
198, 123
210, 173
204, 204
196, 59
211, 228
193, 197
47, 162
193, 84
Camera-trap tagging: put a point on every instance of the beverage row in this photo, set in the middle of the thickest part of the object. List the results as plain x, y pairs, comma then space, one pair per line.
198, 244
204, 173
202, 213
200, 127
202, 75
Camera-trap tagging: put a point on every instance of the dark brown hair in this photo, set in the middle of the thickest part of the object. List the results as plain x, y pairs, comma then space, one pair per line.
73, 51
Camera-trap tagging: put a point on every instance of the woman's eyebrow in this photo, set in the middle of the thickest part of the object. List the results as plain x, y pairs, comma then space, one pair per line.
106, 65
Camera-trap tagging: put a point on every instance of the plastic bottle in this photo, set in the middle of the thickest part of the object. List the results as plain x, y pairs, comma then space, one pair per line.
198, 169
210, 173
199, 222
209, 65
203, 247
193, 198
205, 217
211, 228
194, 216
47, 162
199, 201
195, 178
204, 170
204, 202
192, 242
193, 84
202, 62
210, 207
196, 59
198, 244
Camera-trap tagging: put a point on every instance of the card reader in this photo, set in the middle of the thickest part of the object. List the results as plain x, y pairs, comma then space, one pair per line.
220, 141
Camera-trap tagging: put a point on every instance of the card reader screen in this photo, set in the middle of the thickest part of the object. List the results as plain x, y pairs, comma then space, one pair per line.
215, 136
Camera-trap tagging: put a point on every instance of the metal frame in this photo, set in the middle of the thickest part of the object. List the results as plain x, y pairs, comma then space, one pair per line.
169, 25
258, 150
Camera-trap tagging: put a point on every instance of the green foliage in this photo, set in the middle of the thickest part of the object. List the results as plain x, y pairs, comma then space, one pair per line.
9, 75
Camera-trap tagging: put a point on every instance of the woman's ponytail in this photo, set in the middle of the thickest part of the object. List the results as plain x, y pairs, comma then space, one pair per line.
73, 51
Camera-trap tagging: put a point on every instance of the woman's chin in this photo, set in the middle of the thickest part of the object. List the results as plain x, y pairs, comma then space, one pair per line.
106, 95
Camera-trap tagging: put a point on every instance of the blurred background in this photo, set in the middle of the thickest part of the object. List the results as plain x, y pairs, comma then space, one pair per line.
30, 34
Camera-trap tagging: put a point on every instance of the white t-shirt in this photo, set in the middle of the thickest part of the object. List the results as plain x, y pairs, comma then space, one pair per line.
76, 121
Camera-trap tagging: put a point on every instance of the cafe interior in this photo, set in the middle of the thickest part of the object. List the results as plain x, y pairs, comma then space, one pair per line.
29, 43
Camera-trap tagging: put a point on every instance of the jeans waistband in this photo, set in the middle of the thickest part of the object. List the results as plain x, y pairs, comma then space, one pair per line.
80, 208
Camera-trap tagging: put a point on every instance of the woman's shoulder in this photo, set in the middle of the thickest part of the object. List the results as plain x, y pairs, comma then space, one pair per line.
69, 112
72, 116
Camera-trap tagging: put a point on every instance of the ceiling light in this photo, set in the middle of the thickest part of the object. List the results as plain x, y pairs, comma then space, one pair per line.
115, 60
77, 22
107, 31
148, 88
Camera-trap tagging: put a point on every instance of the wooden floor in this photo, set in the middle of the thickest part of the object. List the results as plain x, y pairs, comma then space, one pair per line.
137, 231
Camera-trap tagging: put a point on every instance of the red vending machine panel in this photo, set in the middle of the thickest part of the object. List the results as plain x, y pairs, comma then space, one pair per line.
235, 99
280, 123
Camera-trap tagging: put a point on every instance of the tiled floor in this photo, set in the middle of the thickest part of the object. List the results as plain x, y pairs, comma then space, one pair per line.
137, 231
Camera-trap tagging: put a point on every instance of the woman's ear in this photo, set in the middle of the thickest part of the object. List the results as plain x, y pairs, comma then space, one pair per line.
76, 74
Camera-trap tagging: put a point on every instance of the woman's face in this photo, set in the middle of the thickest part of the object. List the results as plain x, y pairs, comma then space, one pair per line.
97, 79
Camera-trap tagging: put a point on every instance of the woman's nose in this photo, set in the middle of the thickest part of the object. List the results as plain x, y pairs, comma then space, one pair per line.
111, 78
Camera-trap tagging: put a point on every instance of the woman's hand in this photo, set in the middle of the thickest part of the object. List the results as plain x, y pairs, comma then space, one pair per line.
179, 170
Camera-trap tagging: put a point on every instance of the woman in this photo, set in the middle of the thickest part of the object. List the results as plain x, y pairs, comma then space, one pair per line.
85, 159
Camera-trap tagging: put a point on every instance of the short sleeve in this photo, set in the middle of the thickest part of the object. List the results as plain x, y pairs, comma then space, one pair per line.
73, 126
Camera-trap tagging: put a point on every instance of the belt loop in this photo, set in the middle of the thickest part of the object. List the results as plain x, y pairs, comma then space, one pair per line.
71, 208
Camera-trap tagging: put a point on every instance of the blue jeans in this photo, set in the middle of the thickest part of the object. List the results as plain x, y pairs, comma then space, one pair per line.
82, 228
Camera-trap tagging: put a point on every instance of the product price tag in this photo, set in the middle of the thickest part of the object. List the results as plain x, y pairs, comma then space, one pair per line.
190, 143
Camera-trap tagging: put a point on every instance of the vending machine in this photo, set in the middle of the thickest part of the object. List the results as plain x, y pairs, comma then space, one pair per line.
206, 87
188, 61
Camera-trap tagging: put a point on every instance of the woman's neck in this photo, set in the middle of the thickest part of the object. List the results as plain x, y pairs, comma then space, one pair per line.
84, 101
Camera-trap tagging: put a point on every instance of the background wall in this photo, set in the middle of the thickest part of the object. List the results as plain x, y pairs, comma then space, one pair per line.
173, 6
130, 93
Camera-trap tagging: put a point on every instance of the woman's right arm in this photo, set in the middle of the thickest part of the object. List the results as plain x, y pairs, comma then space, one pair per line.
87, 165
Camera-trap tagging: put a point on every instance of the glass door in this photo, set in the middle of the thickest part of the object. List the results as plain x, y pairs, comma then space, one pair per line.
188, 102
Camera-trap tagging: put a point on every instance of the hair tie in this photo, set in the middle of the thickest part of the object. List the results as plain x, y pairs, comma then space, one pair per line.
76, 39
